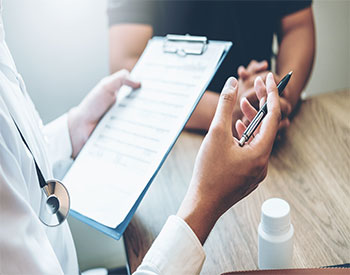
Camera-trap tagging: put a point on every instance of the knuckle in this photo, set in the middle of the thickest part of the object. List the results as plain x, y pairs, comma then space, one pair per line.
124, 72
107, 83
104, 82
261, 163
217, 130
251, 81
227, 95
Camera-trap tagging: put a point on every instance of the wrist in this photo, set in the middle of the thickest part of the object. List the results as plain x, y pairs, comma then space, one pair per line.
76, 126
200, 214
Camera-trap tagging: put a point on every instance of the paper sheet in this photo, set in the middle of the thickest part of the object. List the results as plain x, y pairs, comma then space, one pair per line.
131, 140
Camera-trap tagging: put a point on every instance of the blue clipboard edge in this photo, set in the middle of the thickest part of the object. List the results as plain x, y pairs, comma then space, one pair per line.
116, 233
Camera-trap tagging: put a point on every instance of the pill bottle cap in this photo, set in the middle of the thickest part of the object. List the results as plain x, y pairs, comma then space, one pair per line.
275, 218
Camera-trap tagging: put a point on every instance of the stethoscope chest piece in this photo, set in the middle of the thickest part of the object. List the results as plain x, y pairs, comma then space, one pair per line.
55, 206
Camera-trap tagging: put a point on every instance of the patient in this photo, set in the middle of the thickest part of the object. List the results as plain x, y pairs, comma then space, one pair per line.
249, 24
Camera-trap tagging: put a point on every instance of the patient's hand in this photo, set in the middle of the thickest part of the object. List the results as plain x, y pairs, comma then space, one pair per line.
224, 172
83, 119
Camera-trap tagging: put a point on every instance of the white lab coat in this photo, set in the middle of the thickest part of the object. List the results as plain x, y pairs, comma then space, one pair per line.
26, 245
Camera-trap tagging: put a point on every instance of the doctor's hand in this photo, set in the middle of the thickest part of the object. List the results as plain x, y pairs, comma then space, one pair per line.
246, 78
224, 172
83, 119
246, 90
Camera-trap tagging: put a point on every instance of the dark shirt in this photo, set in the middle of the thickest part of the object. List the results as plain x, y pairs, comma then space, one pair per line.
250, 25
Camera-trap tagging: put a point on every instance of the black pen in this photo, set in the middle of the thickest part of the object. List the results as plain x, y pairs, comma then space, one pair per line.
262, 112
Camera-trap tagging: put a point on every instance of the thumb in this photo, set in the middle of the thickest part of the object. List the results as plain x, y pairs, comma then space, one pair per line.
129, 81
227, 100
115, 81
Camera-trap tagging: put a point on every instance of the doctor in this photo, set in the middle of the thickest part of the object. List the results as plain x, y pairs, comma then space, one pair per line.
224, 173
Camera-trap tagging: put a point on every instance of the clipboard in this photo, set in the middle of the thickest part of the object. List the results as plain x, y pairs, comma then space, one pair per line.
181, 46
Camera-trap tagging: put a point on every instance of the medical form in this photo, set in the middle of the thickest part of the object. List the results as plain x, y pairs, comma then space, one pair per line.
134, 137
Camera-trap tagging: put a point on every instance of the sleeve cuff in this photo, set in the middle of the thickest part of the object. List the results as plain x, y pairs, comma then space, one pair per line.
59, 144
176, 250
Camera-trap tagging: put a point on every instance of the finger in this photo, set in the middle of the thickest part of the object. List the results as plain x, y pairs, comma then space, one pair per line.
263, 141
247, 109
262, 66
115, 81
286, 107
255, 67
285, 123
260, 90
129, 81
123, 77
249, 113
240, 128
263, 75
242, 72
252, 64
250, 95
224, 111
245, 121
250, 81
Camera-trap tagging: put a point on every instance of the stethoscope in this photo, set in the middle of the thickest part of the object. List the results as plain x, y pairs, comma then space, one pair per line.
55, 209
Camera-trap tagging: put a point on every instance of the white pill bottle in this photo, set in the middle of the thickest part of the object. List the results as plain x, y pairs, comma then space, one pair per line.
275, 232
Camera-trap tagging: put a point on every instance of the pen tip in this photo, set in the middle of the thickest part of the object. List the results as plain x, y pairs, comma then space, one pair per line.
291, 72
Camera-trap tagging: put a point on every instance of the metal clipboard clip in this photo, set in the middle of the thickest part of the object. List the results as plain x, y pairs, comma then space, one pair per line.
185, 44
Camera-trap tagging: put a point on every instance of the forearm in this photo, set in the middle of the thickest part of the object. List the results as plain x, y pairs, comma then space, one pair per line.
126, 44
203, 114
296, 52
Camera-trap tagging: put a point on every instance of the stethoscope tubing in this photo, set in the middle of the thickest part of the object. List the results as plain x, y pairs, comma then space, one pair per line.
57, 200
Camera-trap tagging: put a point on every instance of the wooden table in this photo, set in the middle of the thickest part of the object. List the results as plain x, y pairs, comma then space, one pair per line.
310, 169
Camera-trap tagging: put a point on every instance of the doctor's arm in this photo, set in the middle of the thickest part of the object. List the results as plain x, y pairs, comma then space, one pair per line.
224, 173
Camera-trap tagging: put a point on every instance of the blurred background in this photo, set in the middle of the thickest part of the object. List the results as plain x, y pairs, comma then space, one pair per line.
61, 48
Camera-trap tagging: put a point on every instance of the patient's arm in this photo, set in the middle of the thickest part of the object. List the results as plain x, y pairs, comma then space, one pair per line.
296, 51
126, 44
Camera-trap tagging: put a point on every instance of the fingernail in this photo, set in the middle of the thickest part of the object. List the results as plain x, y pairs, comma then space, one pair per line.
257, 79
234, 82
231, 82
270, 76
